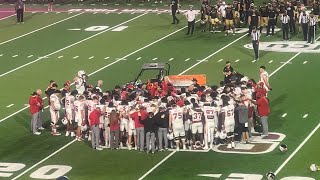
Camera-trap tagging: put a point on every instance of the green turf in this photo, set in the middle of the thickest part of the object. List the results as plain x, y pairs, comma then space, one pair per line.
18, 145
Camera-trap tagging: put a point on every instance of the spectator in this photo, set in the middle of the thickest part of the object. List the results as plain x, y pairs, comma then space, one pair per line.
40, 100
34, 109
263, 112
114, 130
19, 6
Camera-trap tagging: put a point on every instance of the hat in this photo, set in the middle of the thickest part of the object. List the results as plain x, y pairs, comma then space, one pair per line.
33, 94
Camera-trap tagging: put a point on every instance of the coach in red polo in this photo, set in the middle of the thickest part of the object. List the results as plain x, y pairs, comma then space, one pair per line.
94, 122
34, 109
263, 112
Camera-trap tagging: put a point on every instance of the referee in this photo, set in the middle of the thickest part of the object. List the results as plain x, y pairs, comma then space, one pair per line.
255, 36
19, 6
285, 26
312, 28
191, 17
303, 21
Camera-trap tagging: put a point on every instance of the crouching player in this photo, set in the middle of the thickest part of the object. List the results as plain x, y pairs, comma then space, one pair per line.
211, 120
55, 107
176, 125
228, 122
69, 112
79, 115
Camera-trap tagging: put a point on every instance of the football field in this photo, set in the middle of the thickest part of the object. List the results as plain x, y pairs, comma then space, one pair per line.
112, 46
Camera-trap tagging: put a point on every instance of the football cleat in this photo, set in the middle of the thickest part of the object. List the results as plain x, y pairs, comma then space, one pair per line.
73, 134
229, 146
283, 148
223, 135
67, 133
270, 176
64, 121
170, 136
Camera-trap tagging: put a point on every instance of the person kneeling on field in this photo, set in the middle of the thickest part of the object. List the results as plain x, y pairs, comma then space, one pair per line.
150, 127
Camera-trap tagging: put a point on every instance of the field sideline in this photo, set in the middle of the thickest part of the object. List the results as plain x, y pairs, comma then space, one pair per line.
105, 54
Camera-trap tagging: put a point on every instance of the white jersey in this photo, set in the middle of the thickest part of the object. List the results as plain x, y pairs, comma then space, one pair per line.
80, 85
196, 114
78, 108
91, 105
177, 115
229, 112
222, 10
210, 113
69, 102
56, 102
264, 75
107, 116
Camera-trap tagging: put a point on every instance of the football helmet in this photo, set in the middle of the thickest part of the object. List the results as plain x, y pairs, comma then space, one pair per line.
223, 135
283, 148
170, 136
64, 121
84, 127
270, 176
81, 73
314, 167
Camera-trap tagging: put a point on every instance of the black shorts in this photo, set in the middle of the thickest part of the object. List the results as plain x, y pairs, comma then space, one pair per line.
243, 128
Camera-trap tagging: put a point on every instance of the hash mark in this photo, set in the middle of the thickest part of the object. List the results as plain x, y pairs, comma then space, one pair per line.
270, 61
220, 60
305, 62
60, 57
187, 59
106, 57
171, 59
305, 116
154, 59
284, 115
75, 57
138, 58
10, 105
253, 61
30, 56
91, 57
237, 60
15, 55
1, 54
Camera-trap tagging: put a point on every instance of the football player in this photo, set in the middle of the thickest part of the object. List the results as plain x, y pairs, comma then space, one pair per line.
215, 22
176, 125
236, 12
107, 124
123, 109
229, 20
211, 118
80, 82
69, 111
79, 115
264, 77
263, 16
227, 116
197, 123
54, 112
132, 130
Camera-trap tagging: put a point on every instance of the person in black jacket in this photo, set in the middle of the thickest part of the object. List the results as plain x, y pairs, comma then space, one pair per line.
162, 118
150, 127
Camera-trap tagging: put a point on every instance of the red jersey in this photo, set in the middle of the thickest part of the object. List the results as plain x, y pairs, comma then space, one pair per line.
263, 106
135, 117
40, 100
34, 108
114, 126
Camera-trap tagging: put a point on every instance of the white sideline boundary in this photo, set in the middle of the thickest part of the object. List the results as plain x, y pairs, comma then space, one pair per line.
7, 17
65, 146
71, 45
44, 27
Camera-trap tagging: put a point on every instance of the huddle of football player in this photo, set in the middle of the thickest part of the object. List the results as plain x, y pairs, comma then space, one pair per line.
194, 117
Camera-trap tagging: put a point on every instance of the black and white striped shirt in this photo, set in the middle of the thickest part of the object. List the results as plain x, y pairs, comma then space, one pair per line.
255, 36
312, 21
285, 19
303, 19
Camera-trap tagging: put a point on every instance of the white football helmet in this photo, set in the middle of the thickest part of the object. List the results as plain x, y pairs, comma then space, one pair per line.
270, 176
170, 136
283, 148
84, 127
64, 121
314, 167
81, 73
223, 135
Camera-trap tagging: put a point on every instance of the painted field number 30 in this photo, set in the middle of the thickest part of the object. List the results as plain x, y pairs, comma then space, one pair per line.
45, 172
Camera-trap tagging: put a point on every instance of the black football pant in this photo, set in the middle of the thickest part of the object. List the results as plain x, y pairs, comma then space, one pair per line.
271, 24
285, 31
190, 27
19, 15
255, 45
174, 17
304, 27
311, 33
292, 25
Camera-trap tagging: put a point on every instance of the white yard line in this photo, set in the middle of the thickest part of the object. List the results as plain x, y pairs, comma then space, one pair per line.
296, 151
40, 28
7, 17
159, 163
216, 52
54, 153
71, 45
10, 105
